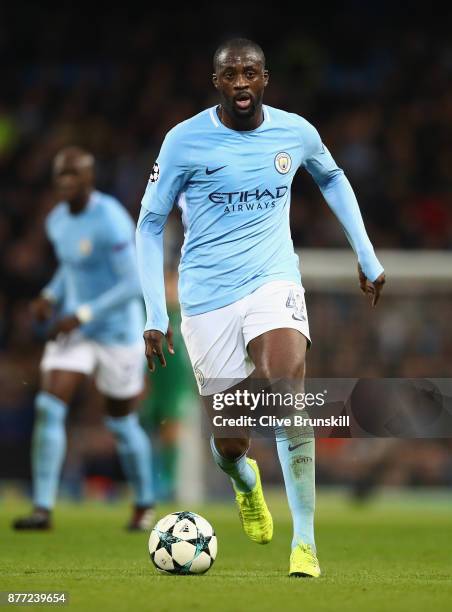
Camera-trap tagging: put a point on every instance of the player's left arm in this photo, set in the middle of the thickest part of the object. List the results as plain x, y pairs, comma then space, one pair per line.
341, 198
119, 248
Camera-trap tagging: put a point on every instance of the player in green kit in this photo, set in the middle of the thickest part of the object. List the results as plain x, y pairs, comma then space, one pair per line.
164, 409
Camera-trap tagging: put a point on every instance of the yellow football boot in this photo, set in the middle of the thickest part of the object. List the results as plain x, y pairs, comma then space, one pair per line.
304, 562
255, 516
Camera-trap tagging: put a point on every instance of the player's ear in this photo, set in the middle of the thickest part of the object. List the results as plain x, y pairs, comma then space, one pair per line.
215, 80
266, 78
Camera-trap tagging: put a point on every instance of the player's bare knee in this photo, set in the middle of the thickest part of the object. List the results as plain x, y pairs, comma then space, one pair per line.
231, 448
293, 368
297, 368
119, 407
61, 384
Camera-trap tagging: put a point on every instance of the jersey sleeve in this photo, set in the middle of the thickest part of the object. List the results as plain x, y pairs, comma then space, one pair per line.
118, 232
167, 180
55, 289
117, 228
317, 160
149, 241
340, 197
168, 175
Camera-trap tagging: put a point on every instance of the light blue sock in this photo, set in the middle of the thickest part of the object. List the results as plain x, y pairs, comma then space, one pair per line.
134, 449
296, 452
238, 470
48, 448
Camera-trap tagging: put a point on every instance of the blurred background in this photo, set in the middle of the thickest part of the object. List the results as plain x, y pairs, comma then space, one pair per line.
376, 83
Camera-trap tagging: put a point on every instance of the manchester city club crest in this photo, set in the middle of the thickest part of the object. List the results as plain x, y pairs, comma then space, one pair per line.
199, 377
85, 246
283, 162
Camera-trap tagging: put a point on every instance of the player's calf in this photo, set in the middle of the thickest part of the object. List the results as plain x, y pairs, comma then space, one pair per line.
255, 517
48, 451
135, 456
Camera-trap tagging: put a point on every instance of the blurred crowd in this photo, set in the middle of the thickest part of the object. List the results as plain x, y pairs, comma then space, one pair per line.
377, 87
381, 98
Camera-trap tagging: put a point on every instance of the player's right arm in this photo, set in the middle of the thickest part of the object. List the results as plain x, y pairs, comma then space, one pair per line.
53, 293
54, 290
166, 182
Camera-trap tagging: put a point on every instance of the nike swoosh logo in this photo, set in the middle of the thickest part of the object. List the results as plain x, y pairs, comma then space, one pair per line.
214, 170
291, 448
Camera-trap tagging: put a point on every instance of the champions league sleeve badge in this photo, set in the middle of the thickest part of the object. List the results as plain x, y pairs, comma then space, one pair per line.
154, 176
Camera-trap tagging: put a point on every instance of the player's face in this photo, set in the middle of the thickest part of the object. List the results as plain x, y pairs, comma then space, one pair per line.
241, 80
73, 177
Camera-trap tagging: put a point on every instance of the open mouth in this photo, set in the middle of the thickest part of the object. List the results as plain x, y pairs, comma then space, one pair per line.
243, 101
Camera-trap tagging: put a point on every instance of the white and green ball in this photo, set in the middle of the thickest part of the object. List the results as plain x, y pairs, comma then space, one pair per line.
183, 543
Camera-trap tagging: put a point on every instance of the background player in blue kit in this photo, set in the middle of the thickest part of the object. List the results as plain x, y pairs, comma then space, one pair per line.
230, 169
94, 300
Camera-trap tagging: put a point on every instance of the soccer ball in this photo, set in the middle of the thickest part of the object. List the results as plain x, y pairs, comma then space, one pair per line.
183, 543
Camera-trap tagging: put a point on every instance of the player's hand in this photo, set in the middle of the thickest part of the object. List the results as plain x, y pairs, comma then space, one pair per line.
41, 309
372, 289
153, 340
64, 326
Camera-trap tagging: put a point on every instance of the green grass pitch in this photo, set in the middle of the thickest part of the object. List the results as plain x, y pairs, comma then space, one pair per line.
392, 555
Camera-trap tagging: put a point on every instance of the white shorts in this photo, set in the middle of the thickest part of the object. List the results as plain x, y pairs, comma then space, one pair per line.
118, 369
217, 340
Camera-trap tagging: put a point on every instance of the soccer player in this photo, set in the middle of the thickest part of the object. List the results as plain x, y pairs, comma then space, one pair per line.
230, 169
165, 407
94, 307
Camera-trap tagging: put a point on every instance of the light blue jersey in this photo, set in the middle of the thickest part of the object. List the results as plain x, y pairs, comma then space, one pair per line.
233, 189
97, 269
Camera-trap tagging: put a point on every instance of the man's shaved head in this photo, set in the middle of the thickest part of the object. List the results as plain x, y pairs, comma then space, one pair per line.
74, 155
240, 78
237, 45
73, 175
